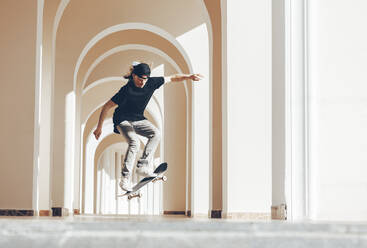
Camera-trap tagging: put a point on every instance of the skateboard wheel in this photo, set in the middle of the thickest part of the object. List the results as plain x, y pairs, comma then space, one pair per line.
139, 195
129, 197
164, 178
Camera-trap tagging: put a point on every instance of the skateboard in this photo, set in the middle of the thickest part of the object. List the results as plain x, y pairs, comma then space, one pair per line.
135, 192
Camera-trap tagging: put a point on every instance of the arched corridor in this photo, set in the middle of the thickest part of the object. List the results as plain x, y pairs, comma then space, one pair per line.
274, 131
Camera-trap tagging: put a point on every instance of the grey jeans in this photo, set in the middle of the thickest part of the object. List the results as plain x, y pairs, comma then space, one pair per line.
130, 130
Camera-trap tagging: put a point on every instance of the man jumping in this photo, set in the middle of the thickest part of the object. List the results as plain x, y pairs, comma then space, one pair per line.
129, 120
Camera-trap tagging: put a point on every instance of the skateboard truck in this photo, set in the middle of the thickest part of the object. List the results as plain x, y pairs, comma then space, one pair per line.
162, 178
134, 195
139, 194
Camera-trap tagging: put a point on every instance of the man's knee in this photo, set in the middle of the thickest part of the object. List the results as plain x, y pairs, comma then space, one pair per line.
134, 144
156, 134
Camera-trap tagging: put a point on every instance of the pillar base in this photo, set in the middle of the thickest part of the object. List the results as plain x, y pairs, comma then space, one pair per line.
16, 212
44, 213
279, 212
188, 213
60, 212
174, 213
216, 214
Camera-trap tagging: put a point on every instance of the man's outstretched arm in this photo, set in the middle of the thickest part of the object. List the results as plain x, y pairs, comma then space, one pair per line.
108, 105
182, 77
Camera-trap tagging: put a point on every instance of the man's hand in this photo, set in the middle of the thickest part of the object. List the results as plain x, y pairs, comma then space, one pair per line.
196, 77
109, 104
97, 133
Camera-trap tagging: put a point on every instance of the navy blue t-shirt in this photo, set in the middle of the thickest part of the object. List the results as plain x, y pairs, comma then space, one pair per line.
132, 100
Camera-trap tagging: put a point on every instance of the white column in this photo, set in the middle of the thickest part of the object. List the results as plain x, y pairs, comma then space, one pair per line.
101, 187
105, 182
278, 109
41, 170
91, 146
69, 150
148, 205
247, 107
78, 137
111, 186
156, 207
124, 206
88, 177
117, 173
296, 109
196, 45
99, 183
154, 192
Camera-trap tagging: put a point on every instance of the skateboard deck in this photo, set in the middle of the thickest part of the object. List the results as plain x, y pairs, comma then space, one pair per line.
135, 192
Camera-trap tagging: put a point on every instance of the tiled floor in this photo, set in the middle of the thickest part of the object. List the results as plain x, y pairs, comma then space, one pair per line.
175, 231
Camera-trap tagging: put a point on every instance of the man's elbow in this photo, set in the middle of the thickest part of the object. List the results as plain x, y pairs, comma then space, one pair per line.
109, 105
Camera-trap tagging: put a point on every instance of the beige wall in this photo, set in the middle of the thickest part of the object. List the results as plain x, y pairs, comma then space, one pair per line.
18, 26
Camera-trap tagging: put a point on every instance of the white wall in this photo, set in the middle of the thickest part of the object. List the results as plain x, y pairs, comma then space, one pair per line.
247, 176
338, 94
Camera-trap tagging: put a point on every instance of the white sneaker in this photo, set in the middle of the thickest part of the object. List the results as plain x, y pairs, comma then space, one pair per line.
143, 169
125, 183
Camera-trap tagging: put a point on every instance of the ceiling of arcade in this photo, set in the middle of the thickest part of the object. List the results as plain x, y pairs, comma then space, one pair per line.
80, 23
117, 64
118, 39
176, 17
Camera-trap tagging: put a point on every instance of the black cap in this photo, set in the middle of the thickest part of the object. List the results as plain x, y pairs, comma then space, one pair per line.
141, 69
